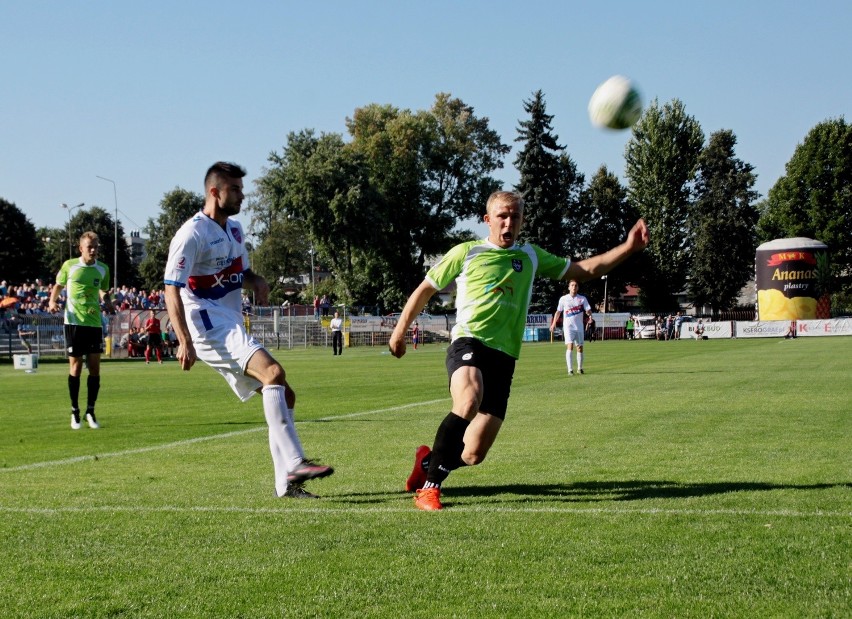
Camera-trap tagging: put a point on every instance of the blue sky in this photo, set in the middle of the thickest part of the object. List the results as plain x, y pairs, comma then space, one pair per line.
150, 94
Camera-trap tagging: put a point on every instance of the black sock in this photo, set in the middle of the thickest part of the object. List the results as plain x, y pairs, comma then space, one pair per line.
74, 391
93, 384
448, 448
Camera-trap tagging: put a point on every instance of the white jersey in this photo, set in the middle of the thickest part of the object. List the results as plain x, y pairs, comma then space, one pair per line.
207, 263
573, 309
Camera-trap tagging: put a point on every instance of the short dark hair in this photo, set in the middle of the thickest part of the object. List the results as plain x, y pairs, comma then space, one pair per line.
220, 171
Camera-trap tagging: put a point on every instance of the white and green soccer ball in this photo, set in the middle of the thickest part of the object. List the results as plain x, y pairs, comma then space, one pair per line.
615, 104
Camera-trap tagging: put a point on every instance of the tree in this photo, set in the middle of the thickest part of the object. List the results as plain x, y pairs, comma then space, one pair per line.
722, 225
611, 218
18, 240
283, 252
320, 184
177, 206
377, 206
661, 161
814, 198
102, 223
55, 251
551, 185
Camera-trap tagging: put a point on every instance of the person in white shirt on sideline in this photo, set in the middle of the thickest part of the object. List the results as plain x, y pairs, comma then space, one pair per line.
336, 326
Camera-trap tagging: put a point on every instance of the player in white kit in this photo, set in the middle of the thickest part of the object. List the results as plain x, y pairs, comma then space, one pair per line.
573, 309
206, 270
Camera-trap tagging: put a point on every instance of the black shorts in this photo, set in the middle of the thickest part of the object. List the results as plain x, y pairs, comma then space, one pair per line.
497, 369
82, 341
155, 340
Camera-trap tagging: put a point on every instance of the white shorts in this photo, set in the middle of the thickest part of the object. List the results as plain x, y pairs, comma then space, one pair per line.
224, 345
573, 336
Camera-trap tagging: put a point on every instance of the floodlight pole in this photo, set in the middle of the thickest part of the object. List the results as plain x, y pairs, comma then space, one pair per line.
114, 234
313, 286
71, 208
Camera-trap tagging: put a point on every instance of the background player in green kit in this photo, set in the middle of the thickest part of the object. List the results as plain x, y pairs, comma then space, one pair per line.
87, 280
494, 279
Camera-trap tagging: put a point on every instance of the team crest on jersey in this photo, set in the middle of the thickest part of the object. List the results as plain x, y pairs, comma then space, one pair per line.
517, 265
235, 232
181, 263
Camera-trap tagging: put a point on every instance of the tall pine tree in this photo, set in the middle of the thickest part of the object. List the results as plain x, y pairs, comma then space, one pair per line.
661, 162
721, 224
551, 186
611, 217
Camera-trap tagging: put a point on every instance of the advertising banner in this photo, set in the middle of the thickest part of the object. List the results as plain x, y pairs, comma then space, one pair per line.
386, 324
610, 319
821, 328
712, 330
761, 328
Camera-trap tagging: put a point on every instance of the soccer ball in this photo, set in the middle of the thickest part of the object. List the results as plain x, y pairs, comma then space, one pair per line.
615, 104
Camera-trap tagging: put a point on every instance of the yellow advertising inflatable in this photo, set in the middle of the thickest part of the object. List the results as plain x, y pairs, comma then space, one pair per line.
788, 273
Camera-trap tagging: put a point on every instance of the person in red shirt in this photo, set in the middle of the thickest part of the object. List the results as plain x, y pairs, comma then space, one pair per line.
155, 338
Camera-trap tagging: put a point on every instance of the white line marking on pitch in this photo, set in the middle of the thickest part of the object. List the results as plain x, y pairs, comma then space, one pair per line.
200, 439
782, 513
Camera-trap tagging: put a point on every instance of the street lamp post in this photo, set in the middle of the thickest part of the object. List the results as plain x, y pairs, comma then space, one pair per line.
313, 286
71, 208
115, 235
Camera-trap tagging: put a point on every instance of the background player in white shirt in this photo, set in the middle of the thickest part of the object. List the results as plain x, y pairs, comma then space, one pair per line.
573, 308
205, 274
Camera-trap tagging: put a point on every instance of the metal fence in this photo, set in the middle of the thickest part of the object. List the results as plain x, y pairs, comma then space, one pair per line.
297, 329
49, 338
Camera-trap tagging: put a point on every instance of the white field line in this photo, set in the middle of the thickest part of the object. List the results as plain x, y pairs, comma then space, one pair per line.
366, 510
201, 439
332, 509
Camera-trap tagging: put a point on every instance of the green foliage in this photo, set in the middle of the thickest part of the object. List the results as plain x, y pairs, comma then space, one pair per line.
104, 225
661, 161
376, 206
671, 491
611, 216
18, 238
283, 254
722, 225
814, 198
554, 214
177, 206
55, 251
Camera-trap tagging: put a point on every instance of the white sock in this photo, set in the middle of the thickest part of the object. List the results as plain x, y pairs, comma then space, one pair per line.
568, 359
284, 443
579, 360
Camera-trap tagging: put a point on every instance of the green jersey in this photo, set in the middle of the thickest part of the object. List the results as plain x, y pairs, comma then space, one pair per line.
83, 283
494, 287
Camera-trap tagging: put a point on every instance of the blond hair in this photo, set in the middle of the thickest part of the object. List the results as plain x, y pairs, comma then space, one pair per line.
500, 197
90, 235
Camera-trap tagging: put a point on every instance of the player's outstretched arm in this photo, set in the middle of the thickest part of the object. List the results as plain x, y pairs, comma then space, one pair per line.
415, 304
590, 268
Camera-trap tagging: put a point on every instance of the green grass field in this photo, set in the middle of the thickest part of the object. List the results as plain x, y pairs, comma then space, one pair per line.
674, 479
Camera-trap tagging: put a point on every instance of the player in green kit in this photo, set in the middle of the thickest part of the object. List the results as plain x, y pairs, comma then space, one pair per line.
494, 279
87, 280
